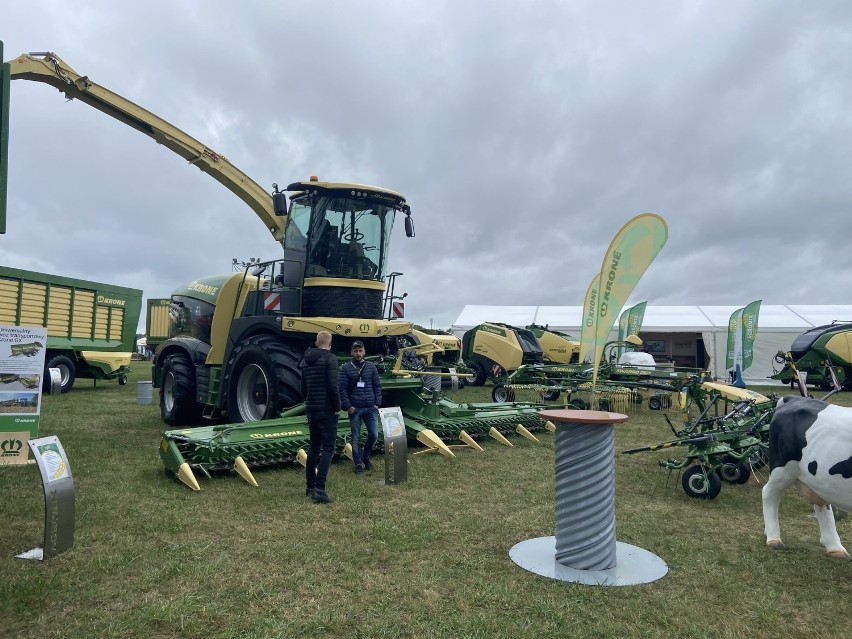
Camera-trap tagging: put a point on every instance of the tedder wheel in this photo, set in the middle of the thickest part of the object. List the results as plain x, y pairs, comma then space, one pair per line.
734, 471
479, 374
502, 394
654, 403
551, 394
758, 459
67, 372
263, 379
177, 391
122, 380
700, 484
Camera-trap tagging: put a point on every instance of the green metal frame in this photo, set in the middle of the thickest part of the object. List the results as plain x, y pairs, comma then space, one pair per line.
5, 78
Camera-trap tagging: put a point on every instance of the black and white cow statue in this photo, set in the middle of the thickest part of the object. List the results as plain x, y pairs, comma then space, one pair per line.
810, 444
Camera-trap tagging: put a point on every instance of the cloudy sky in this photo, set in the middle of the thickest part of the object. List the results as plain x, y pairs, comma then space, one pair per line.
524, 134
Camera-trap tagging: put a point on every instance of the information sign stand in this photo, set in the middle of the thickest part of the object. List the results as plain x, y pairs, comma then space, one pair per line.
59, 501
396, 445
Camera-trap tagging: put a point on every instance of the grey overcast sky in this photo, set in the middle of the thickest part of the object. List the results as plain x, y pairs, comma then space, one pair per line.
524, 134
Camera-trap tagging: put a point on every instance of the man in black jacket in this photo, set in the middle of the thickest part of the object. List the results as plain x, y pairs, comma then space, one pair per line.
361, 395
322, 402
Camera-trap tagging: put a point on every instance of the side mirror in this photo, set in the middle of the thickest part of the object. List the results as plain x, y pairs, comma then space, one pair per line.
409, 225
279, 202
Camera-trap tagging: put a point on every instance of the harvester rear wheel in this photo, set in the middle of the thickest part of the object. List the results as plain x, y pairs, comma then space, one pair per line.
263, 379
701, 484
67, 372
502, 394
177, 391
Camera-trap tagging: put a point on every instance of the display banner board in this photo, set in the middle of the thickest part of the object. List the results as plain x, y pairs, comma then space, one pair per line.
22, 351
396, 445
59, 506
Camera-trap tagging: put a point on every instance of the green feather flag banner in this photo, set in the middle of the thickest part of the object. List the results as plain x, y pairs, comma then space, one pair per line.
749, 328
590, 313
634, 319
629, 255
622, 324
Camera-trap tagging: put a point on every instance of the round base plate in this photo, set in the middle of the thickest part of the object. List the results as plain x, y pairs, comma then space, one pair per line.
633, 565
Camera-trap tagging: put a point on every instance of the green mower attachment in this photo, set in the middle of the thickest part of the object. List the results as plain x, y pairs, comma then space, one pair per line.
430, 419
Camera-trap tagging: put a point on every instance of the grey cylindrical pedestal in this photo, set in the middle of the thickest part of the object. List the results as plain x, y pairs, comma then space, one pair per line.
585, 496
584, 549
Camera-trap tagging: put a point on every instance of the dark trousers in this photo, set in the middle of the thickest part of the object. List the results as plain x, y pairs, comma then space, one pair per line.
323, 429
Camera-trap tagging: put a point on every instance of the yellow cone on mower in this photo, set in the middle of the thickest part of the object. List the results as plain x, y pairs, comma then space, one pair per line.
430, 439
302, 457
523, 432
243, 471
185, 475
496, 435
549, 425
467, 439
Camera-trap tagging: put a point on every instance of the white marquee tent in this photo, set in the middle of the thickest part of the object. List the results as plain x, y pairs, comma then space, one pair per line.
685, 335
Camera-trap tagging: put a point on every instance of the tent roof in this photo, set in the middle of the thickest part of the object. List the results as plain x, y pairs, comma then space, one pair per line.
664, 318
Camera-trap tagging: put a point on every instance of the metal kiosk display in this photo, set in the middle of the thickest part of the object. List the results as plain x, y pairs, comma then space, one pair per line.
584, 549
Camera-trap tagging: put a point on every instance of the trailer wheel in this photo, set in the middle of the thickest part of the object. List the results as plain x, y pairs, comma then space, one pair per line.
177, 391
502, 394
122, 380
479, 374
263, 379
734, 471
701, 484
67, 372
654, 403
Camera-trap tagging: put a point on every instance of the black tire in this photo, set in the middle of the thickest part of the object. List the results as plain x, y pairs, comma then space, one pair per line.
479, 374
699, 484
502, 394
67, 372
177, 391
263, 379
654, 403
734, 471
551, 394
122, 380
578, 404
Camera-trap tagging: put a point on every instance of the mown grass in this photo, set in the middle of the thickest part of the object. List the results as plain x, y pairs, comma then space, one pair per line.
427, 558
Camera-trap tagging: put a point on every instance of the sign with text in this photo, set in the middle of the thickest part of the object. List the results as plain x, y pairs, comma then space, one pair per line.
396, 445
22, 350
59, 499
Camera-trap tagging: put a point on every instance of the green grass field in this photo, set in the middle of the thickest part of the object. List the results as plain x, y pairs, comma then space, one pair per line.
427, 558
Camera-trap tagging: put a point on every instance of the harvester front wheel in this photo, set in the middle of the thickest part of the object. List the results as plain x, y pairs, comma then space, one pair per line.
177, 392
700, 483
67, 372
264, 379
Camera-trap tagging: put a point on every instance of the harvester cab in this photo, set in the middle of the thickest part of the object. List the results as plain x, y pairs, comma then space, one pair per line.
492, 351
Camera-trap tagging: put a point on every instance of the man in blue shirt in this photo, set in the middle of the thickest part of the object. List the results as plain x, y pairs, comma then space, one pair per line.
361, 396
